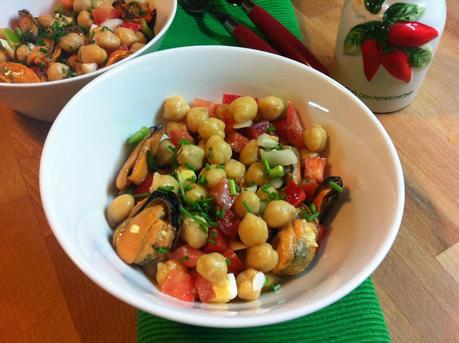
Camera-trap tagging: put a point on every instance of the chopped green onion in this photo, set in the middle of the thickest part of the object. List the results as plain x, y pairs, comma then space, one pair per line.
207, 166
151, 162
202, 180
139, 135
220, 213
184, 258
335, 186
188, 188
213, 234
266, 163
267, 282
170, 148
312, 207
228, 261
221, 166
146, 29
270, 128
276, 287
311, 217
211, 241
276, 172
161, 250
184, 141
189, 166
202, 224
165, 189
44, 50
12, 37
232, 187
246, 206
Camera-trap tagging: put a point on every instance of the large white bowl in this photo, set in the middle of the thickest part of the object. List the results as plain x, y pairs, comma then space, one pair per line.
44, 100
86, 147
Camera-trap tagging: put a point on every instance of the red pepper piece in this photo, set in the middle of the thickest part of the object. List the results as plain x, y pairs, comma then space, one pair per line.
186, 255
411, 34
294, 193
371, 52
235, 265
290, 129
179, 284
309, 186
396, 63
229, 224
314, 168
236, 140
204, 287
216, 242
221, 194
131, 25
229, 98
178, 134
144, 187
255, 130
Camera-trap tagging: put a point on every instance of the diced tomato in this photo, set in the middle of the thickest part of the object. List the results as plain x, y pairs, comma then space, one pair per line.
204, 287
144, 187
235, 265
131, 25
295, 194
314, 168
222, 195
186, 255
229, 98
103, 13
179, 284
321, 235
255, 130
212, 106
216, 242
67, 4
236, 140
177, 134
290, 128
309, 185
229, 123
229, 224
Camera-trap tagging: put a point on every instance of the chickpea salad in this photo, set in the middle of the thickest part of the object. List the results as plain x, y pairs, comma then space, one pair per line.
80, 37
224, 201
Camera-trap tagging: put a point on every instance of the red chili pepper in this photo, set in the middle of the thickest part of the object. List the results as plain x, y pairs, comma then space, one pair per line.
411, 34
131, 25
396, 63
295, 194
371, 52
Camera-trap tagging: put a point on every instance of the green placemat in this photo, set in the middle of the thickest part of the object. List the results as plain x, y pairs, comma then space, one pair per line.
355, 318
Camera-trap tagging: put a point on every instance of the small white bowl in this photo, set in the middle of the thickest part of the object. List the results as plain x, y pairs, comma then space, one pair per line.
44, 100
86, 147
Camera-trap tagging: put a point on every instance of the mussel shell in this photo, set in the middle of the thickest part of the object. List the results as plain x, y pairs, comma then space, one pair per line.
325, 196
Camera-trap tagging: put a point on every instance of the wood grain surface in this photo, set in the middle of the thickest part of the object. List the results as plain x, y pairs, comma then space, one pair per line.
45, 298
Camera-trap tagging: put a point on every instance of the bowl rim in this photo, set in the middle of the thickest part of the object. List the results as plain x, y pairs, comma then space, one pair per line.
190, 317
105, 69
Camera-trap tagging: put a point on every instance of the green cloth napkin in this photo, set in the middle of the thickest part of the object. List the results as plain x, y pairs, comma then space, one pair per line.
355, 318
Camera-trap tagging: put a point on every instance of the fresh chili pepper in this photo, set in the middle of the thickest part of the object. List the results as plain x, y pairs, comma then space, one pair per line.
371, 52
396, 63
411, 34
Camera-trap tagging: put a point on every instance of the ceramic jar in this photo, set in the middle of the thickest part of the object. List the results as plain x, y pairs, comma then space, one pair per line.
384, 49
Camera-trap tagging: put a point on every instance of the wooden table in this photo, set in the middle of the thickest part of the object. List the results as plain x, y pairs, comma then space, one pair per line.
45, 297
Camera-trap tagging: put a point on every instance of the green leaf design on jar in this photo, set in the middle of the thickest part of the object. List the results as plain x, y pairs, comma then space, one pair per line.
358, 34
420, 57
403, 12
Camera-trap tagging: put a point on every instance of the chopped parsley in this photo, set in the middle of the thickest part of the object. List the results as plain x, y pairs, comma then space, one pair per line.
247, 207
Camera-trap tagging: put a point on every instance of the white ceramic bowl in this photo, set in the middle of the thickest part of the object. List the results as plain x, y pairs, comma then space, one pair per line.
86, 147
44, 100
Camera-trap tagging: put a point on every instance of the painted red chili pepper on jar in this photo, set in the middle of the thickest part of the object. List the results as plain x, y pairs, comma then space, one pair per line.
410, 34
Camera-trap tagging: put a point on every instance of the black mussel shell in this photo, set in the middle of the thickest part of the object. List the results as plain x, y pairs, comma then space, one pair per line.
325, 196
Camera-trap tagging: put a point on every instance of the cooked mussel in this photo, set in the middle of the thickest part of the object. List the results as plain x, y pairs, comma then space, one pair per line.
135, 169
326, 194
150, 231
27, 22
11, 72
296, 245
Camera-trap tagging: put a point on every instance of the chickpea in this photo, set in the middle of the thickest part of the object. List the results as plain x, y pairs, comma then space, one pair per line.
196, 193
217, 150
3, 57
164, 181
202, 144
252, 230
212, 267
92, 54
246, 199
87, 68
107, 40
193, 234
172, 126
84, 19
175, 108
234, 170
191, 156
195, 117
244, 109
256, 174
45, 20
166, 153
271, 107
249, 284
213, 175
141, 37
127, 36
265, 191
249, 153
315, 138
23, 51
71, 42
57, 71
136, 47
187, 175
81, 5
212, 127
73, 62
279, 213
119, 208
262, 257
164, 268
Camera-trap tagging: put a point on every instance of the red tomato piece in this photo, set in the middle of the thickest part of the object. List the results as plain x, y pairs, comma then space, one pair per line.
144, 187
212, 106
186, 255
235, 265
216, 242
178, 134
131, 25
103, 13
309, 186
295, 194
222, 195
67, 4
255, 130
290, 128
179, 284
314, 168
204, 287
236, 140
229, 98
229, 224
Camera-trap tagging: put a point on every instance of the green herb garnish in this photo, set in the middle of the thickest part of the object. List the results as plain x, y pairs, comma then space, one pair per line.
247, 207
184, 141
228, 261
211, 241
202, 180
276, 172
170, 148
271, 128
165, 189
333, 185
189, 166
276, 287
202, 224
232, 187
162, 250
184, 259
213, 234
151, 162
139, 135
